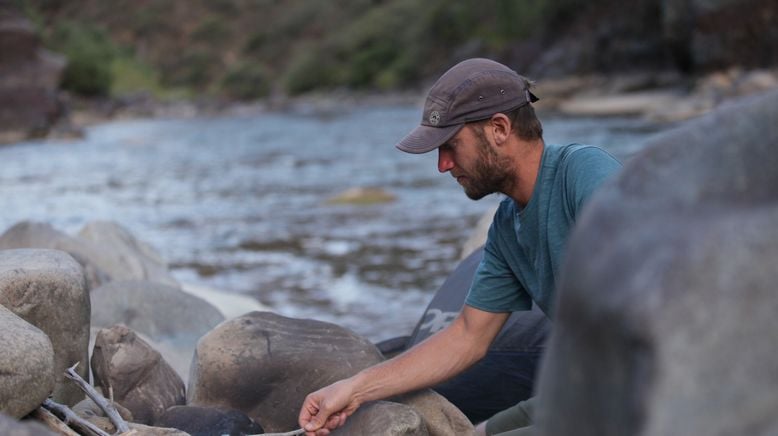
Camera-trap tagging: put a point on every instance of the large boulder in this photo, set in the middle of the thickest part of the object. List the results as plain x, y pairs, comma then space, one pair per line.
125, 256
153, 309
47, 289
26, 366
138, 376
666, 313
264, 365
29, 78
441, 418
33, 234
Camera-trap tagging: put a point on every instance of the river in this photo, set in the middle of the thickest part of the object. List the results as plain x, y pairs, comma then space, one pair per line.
240, 203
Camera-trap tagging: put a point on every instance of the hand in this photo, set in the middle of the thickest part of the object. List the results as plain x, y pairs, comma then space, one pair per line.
327, 409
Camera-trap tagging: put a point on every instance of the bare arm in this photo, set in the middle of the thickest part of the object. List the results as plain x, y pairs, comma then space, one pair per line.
442, 356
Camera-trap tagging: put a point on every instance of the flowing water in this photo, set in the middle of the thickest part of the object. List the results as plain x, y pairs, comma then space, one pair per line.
240, 204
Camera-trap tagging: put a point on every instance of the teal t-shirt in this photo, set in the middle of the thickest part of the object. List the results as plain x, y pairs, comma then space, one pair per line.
524, 247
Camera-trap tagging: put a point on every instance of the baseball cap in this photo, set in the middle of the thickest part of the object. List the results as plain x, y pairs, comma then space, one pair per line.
471, 90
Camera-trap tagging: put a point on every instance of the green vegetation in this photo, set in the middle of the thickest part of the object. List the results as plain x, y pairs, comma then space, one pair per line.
90, 53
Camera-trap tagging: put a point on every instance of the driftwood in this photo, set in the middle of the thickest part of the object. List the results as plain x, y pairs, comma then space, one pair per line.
70, 418
52, 422
110, 411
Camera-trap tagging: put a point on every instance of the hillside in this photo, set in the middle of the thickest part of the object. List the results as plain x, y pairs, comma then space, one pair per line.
248, 49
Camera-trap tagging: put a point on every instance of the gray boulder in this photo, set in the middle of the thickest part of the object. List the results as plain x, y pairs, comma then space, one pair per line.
155, 310
26, 367
11, 427
47, 289
441, 418
384, 418
666, 314
140, 379
32, 234
264, 365
124, 256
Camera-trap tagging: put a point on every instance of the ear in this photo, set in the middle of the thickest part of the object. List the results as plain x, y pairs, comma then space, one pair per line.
501, 128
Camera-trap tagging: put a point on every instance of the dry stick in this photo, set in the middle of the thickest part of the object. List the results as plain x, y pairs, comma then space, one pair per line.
70, 417
110, 411
289, 433
52, 422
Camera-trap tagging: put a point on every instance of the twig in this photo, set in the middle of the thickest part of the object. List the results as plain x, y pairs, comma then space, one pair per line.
110, 411
297, 432
52, 422
70, 417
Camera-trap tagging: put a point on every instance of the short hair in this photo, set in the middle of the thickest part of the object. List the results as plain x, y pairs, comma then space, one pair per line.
524, 123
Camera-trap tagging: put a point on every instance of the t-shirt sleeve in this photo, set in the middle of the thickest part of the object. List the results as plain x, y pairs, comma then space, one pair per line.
495, 287
586, 170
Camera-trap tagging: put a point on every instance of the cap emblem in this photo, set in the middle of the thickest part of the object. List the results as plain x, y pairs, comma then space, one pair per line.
434, 118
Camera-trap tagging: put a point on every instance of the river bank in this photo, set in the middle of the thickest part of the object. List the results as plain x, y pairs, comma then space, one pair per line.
662, 97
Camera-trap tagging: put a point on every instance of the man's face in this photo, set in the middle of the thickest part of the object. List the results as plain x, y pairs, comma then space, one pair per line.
474, 163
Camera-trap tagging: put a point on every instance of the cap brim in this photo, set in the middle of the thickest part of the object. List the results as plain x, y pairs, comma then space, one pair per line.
424, 139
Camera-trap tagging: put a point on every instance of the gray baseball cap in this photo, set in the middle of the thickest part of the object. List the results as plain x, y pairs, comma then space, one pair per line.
471, 90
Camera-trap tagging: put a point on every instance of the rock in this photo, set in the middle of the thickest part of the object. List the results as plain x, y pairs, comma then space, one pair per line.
126, 257
666, 313
26, 367
207, 421
633, 103
47, 289
362, 196
441, 418
31, 234
135, 428
11, 427
230, 304
383, 418
87, 408
29, 78
141, 380
264, 365
156, 310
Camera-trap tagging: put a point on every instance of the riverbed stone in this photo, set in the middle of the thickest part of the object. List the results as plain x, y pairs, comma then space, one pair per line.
26, 366
385, 418
126, 257
159, 311
35, 234
207, 421
10, 426
666, 320
140, 378
47, 289
265, 364
441, 418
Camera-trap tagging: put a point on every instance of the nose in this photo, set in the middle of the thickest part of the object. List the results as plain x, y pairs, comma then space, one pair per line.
445, 160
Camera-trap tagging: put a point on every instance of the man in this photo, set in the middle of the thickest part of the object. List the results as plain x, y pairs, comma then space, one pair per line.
479, 117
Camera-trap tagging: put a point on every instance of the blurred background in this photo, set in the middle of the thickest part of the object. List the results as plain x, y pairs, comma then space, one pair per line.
223, 132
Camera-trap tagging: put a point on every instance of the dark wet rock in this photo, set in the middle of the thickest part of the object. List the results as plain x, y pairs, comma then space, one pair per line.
29, 77
206, 421
140, 378
264, 365
47, 289
384, 418
666, 313
9, 426
26, 366
156, 310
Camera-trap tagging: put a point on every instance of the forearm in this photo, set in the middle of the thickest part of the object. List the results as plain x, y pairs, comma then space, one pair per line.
435, 360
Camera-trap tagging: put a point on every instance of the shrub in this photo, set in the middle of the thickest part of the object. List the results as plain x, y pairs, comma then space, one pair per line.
247, 81
89, 53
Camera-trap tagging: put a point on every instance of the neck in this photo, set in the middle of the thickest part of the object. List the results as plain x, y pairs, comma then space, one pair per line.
527, 157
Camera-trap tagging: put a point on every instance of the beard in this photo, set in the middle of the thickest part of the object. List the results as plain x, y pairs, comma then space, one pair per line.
490, 173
